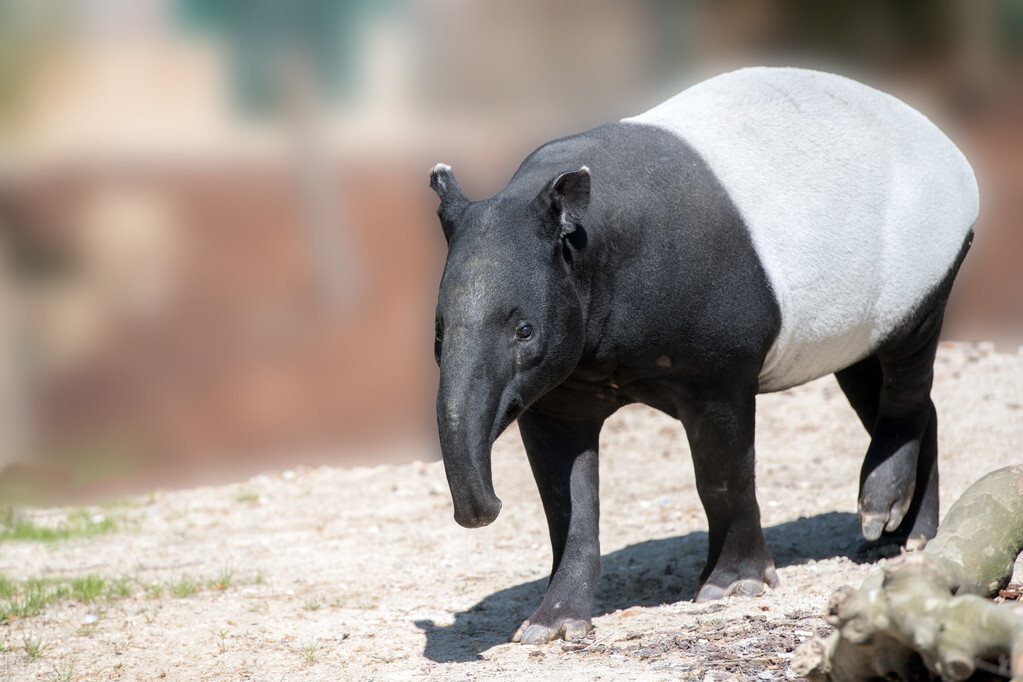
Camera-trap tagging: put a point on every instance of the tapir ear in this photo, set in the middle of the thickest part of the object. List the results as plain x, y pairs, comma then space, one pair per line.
567, 197
443, 182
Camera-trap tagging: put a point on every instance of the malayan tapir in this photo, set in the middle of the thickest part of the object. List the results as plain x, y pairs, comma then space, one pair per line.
761, 229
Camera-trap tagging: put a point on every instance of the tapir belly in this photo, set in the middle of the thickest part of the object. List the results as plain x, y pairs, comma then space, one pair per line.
856, 204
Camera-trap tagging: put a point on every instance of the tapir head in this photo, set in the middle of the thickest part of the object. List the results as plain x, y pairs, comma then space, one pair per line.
509, 320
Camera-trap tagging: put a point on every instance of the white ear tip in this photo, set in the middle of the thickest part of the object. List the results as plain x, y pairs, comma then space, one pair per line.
440, 168
584, 168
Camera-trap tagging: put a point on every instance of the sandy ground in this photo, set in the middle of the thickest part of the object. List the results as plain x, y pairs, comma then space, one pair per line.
363, 574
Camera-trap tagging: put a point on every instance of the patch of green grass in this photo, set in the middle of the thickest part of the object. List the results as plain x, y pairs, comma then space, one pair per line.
7, 587
222, 636
312, 604
121, 503
63, 671
87, 629
309, 650
185, 586
118, 588
249, 496
88, 588
4, 649
29, 597
79, 523
34, 647
52, 588
223, 580
23, 598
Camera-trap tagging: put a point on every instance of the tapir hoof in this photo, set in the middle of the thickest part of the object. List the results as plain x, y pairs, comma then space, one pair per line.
568, 629
744, 587
873, 523
886, 487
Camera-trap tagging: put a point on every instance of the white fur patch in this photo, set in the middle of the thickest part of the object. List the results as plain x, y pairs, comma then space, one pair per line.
857, 205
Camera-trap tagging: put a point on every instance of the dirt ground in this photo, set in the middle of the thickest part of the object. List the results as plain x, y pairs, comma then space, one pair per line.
329, 573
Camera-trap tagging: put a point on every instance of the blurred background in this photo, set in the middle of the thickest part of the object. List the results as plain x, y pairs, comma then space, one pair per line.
218, 250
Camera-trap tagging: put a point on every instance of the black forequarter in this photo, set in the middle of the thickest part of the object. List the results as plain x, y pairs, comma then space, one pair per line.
613, 268
662, 261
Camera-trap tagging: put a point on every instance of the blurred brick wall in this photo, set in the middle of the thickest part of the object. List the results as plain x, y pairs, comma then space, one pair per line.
987, 299
247, 363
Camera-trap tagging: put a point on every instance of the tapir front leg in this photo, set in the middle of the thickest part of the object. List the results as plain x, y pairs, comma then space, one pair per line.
563, 456
720, 432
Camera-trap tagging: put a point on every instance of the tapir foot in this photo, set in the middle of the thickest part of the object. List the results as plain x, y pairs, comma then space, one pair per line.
565, 628
886, 494
741, 587
875, 523
910, 533
892, 469
903, 509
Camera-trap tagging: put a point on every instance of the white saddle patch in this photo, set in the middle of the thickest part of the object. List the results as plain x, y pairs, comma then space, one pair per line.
857, 205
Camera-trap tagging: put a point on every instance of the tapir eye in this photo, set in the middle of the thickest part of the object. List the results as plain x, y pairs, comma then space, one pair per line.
524, 331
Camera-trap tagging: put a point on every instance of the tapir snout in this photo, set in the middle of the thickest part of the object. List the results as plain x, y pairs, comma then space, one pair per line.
469, 410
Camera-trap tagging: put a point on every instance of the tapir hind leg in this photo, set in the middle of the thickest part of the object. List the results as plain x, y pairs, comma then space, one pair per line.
563, 457
890, 392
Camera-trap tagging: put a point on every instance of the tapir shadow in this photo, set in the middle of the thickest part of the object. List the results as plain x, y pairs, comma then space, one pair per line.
644, 574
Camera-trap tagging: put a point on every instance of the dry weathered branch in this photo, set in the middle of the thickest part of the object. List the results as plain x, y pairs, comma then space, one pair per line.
925, 614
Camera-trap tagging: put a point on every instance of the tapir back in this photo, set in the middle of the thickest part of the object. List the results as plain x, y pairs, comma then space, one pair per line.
857, 205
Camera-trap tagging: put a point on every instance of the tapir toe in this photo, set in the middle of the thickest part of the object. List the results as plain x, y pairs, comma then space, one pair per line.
535, 633
874, 522
743, 587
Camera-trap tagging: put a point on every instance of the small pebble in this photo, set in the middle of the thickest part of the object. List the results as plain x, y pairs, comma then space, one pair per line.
89, 619
766, 675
